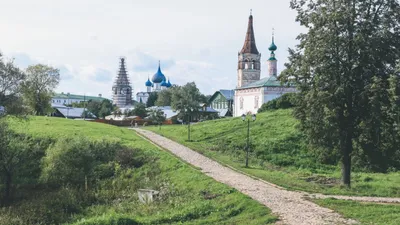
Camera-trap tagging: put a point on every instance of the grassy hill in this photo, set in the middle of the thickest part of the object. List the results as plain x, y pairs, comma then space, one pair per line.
189, 196
279, 155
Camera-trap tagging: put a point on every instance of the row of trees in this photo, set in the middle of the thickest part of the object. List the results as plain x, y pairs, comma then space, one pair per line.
346, 68
28, 91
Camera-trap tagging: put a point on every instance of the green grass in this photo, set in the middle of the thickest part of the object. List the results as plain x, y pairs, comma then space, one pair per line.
280, 155
193, 198
366, 213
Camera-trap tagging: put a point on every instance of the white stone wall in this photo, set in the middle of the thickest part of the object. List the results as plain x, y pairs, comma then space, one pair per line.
142, 95
248, 101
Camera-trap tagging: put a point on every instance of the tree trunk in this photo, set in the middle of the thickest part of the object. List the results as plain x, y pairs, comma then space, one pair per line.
7, 188
347, 148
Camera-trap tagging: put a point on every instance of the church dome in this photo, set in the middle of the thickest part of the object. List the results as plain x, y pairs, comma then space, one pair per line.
159, 76
164, 84
148, 83
169, 84
272, 47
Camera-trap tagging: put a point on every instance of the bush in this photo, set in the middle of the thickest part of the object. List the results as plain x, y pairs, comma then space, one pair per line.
285, 101
72, 161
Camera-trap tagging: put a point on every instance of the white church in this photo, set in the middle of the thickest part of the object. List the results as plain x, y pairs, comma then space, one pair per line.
251, 91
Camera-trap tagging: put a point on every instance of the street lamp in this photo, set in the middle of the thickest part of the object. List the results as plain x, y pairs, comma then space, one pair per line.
253, 118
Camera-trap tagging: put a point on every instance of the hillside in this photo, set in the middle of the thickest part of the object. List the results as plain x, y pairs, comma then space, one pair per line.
279, 154
189, 197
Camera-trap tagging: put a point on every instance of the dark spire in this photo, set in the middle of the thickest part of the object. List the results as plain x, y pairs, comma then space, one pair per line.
250, 42
122, 78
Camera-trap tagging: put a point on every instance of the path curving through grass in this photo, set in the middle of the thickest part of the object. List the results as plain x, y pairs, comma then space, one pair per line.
289, 205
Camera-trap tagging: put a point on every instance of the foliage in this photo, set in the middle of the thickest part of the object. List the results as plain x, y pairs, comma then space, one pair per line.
140, 110
11, 78
366, 213
18, 160
164, 97
157, 116
341, 77
279, 154
285, 101
38, 87
186, 99
151, 101
113, 197
74, 161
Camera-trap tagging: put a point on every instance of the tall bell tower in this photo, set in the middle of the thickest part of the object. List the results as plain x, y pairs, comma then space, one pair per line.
249, 66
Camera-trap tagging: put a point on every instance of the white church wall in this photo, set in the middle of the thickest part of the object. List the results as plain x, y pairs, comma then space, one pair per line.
247, 101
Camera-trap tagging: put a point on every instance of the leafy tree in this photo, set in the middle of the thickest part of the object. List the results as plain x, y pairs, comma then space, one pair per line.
350, 46
140, 110
186, 100
165, 96
151, 101
11, 78
157, 116
38, 87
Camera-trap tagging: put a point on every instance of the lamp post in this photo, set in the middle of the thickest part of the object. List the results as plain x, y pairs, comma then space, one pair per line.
188, 113
253, 118
67, 105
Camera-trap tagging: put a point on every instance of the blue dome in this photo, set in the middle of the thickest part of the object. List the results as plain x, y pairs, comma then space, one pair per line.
164, 84
169, 84
148, 83
158, 77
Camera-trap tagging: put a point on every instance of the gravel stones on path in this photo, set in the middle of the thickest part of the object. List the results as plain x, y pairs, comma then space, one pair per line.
289, 205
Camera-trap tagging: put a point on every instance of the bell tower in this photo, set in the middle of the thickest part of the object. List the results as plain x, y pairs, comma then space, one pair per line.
249, 66
272, 61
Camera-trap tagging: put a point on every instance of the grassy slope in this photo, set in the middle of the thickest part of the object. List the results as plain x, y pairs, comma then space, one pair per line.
274, 134
367, 213
191, 207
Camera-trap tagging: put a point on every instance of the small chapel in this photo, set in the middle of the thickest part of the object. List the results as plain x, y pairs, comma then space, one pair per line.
252, 91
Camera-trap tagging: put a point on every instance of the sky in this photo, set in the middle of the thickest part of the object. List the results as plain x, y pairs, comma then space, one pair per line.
194, 40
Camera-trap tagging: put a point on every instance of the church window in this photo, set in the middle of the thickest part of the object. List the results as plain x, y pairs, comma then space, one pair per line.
256, 102
241, 102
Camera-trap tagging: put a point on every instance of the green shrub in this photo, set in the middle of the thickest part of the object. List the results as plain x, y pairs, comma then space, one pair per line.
285, 101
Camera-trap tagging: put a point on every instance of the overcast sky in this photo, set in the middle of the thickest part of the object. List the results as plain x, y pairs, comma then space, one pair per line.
195, 40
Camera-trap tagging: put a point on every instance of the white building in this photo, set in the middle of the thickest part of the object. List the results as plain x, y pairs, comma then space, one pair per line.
251, 91
67, 98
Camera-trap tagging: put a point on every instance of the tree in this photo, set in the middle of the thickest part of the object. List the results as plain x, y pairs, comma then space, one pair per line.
151, 101
11, 78
165, 96
38, 87
140, 110
106, 108
349, 44
186, 100
157, 116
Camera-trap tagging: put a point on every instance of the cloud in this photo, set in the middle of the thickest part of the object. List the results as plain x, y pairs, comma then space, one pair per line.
23, 60
144, 62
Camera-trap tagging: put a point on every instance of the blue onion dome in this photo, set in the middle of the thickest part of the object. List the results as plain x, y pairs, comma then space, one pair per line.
169, 84
148, 83
164, 83
159, 76
272, 47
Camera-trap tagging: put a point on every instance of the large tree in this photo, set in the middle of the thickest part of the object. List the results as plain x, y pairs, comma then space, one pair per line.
165, 96
151, 101
11, 78
186, 99
350, 46
38, 87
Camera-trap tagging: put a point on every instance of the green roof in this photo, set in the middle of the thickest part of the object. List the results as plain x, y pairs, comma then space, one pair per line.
80, 97
265, 82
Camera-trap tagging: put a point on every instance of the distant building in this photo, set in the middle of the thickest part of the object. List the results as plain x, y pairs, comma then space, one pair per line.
251, 91
67, 98
158, 82
122, 89
222, 101
70, 112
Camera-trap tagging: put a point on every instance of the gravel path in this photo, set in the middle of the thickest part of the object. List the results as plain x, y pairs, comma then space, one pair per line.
289, 205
